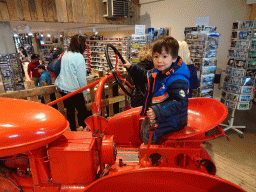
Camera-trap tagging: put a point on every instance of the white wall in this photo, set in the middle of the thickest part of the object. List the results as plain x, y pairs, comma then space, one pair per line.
178, 14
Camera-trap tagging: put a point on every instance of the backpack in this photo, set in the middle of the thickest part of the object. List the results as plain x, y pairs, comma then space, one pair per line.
55, 65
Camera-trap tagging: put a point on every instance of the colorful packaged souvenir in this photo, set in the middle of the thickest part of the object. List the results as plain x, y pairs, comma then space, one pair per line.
207, 93
245, 98
243, 106
234, 88
248, 81
207, 85
247, 89
209, 61
207, 77
208, 69
232, 97
236, 80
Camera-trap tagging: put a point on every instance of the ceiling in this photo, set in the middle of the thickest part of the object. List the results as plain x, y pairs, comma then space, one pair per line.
51, 27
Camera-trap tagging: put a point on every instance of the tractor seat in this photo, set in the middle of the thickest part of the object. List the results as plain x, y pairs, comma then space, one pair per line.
184, 133
203, 115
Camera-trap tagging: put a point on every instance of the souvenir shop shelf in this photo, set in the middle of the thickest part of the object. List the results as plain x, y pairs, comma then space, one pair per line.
94, 54
203, 50
243, 44
237, 91
11, 72
136, 42
239, 83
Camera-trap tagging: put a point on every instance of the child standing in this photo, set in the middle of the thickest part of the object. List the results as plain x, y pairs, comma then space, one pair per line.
166, 98
32, 69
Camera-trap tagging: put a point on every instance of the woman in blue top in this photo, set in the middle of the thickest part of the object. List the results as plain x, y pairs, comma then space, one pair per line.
72, 77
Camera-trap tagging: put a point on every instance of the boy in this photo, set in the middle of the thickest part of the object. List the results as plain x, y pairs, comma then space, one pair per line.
166, 98
45, 76
31, 69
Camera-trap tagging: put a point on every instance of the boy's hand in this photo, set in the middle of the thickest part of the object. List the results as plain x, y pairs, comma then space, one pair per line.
127, 65
151, 114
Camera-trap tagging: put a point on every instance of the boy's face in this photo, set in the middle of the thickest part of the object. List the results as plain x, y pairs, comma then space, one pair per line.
163, 61
40, 71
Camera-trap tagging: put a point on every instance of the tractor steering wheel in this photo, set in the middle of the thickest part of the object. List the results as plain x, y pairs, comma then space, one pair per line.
119, 81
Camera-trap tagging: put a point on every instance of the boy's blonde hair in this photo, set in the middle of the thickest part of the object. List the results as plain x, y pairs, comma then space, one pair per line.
145, 53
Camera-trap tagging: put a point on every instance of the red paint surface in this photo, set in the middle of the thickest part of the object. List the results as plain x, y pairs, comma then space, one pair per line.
27, 125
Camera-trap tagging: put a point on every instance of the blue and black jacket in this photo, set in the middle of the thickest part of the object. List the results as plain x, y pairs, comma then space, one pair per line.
167, 95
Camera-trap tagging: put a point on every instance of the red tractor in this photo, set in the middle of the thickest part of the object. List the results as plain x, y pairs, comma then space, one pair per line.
38, 154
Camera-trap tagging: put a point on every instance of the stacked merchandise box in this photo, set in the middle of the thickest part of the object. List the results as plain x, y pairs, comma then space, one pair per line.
11, 72
203, 46
237, 92
136, 42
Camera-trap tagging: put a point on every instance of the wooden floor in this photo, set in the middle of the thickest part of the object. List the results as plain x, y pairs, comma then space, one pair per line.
235, 160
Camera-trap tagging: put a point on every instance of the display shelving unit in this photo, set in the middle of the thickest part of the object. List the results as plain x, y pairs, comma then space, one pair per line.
94, 54
11, 73
135, 43
238, 86
203, 50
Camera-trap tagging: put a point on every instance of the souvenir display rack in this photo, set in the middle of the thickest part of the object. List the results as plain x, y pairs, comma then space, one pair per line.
66, 42
94, 54
238, 86
203, 49
136, 42
11, 72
